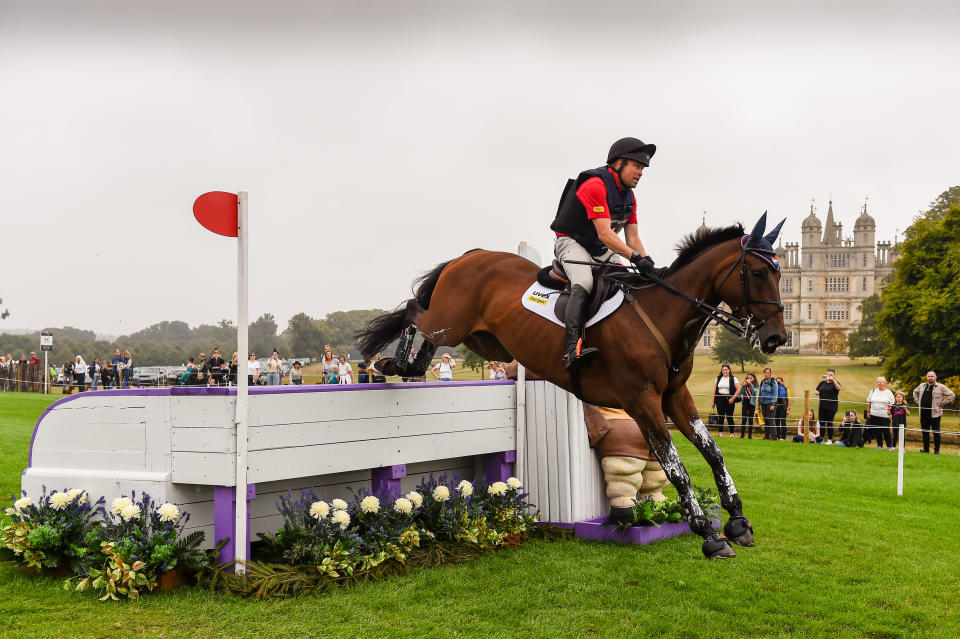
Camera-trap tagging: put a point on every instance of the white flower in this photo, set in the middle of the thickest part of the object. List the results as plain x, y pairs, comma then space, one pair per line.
9, 511
339, 504
22, 503
370, 504
513, 482
130, 511
465, 488
59, 501
319, 510
168, 512
342, 517
497, 488
416, 498
441, 493
119, 504
79, 495
402, 505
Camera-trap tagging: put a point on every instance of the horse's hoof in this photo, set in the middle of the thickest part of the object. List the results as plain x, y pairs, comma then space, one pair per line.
387, 367
716, 546
739, 531
621, 515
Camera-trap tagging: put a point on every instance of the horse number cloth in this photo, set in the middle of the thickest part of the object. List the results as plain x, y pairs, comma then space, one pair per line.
541, 300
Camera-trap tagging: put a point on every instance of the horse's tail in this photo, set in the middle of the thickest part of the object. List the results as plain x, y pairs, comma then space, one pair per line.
384, 329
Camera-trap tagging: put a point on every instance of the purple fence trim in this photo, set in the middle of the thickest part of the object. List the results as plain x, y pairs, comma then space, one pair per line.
499, 466
641, 535
385, 481
225, 516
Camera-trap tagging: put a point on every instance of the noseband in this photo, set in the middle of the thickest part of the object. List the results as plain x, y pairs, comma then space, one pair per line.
748, 326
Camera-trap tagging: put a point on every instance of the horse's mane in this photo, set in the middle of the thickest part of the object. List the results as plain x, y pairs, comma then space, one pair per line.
700, 240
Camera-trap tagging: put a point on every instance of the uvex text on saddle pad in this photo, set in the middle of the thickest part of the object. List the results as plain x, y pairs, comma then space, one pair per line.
542, 301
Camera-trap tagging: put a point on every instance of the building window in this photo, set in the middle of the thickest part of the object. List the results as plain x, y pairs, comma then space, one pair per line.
809, 311
838, 260
864, 260
837, 284
788, 285
809, 286
810, 260
863, 284
788, 312
789, 343
837, 312
706, 340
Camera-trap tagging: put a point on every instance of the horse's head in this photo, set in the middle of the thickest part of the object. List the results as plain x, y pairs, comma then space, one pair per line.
751, 287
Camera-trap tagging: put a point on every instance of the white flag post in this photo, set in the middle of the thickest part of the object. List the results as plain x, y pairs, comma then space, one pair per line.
900, 463
240, 526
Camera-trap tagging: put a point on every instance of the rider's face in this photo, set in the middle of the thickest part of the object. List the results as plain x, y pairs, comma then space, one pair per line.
630, 172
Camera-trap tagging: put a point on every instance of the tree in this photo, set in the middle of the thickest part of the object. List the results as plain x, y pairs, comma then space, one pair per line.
4, 314
263, 335
866, 340
470, 359
729, 349
920, 309
305, 336
341, 326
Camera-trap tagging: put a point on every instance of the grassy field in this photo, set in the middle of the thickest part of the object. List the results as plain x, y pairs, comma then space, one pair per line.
838, 554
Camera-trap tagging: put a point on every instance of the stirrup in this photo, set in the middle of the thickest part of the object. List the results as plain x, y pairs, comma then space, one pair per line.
579, 356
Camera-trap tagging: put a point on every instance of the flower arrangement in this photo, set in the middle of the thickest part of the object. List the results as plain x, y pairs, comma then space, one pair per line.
647, 512
53, 531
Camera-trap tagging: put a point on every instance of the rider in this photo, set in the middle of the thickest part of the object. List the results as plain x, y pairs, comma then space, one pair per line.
593, 210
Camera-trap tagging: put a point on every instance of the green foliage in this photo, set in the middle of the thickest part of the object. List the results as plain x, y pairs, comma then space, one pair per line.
470, 359
920, 314
866, 340
4, 314
647, 512
730, 349
116, 577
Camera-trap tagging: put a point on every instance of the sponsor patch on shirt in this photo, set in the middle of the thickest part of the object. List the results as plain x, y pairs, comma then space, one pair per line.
598, 209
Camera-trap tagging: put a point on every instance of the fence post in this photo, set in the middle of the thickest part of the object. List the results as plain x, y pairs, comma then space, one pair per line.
806, 411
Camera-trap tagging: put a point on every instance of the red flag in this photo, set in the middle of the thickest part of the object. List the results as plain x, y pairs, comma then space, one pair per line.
217, 211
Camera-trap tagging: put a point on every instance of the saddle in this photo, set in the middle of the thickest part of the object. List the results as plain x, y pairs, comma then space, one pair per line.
605, 285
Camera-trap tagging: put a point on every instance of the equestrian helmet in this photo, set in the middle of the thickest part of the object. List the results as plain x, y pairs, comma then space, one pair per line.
632, 149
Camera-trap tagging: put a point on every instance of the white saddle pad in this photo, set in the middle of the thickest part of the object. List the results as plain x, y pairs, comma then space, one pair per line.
541, 300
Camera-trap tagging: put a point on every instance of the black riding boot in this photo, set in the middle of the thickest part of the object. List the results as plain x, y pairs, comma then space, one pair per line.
575, 354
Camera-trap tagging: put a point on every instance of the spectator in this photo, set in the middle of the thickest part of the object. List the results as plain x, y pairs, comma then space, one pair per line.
106, 374
808, 428
828, 391
203, 369
53, 373
767, 394
501, 371
444, 370
80, 373
253, 370
34, 360
328, 361
783, 409
67, 372
898, 415
334, 373
296, 375
725, 390
850, 431
274, 368
117, 368
94, 370
748, 395
375, 376
931, 397
234, 365
879, 402
190, 377
344, 371
363, 375
217, 370
494, 369
127, 369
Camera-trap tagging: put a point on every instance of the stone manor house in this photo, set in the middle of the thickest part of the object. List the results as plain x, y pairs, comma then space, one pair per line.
824, 278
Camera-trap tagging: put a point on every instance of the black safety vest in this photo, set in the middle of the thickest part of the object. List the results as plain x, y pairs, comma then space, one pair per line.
572, 217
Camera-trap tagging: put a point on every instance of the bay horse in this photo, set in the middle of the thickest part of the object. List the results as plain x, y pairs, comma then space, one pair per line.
645, 346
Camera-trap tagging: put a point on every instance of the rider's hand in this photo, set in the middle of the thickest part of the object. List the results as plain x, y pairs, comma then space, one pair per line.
643, 263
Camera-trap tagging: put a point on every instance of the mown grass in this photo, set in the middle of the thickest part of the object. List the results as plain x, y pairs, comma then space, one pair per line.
838, 554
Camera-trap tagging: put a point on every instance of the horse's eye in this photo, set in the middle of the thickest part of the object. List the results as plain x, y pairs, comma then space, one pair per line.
757, 274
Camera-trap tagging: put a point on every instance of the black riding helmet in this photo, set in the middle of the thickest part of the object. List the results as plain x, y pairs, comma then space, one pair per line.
632, 149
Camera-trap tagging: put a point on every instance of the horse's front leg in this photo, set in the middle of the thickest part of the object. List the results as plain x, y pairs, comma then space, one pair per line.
646, 410
678, 404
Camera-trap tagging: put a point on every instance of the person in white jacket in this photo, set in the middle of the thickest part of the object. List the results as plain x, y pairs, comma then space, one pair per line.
879, 402
80, 373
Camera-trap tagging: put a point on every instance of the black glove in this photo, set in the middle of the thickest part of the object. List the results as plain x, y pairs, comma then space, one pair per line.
644, 264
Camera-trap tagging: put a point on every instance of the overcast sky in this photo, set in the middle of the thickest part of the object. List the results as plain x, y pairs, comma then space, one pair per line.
378, 138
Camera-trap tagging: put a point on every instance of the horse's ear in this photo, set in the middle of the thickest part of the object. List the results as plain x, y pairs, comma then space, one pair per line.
758, 229
772, 235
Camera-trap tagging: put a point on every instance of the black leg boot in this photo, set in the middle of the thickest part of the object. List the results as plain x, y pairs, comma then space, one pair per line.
576, 355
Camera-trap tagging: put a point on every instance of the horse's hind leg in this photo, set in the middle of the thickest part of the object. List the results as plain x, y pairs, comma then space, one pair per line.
646, 411
679, 405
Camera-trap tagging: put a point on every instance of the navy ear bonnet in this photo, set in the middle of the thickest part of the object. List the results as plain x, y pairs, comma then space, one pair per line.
760, 245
